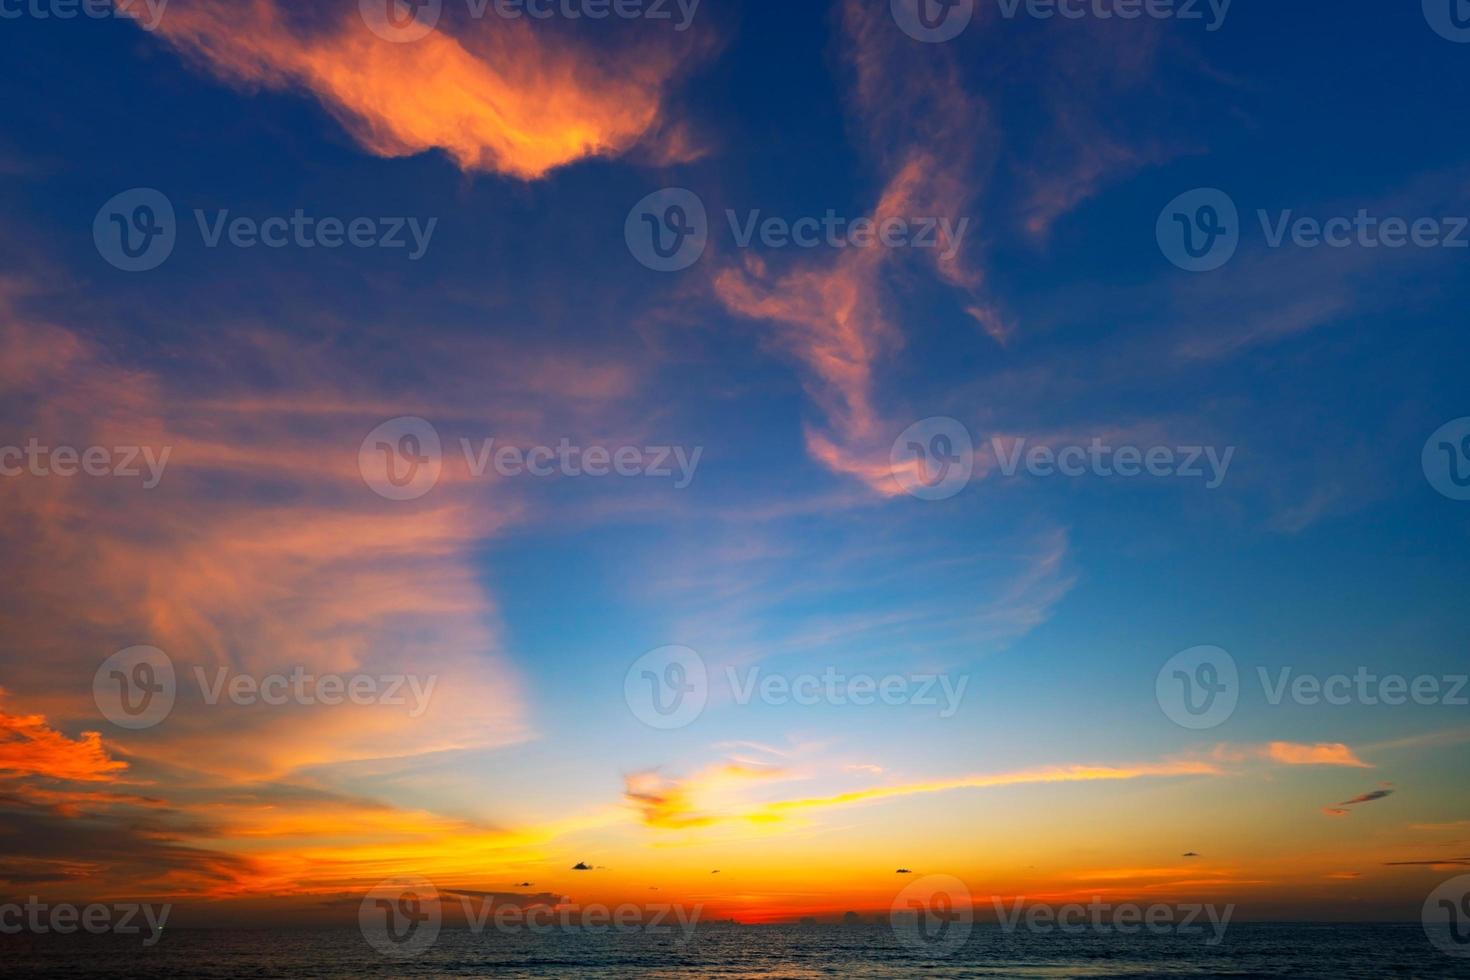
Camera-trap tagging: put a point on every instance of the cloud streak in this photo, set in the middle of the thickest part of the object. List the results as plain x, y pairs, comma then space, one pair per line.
496, 95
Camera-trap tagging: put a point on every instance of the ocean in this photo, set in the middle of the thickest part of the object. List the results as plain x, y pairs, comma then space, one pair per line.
732, 952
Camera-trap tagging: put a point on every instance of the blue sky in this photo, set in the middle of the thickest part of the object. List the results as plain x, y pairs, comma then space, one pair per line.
794, 549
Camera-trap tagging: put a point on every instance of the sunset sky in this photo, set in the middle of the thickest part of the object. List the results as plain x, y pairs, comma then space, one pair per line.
794, 549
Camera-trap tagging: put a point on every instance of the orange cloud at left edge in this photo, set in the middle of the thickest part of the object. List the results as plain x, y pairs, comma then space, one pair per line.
28, 747
500, 95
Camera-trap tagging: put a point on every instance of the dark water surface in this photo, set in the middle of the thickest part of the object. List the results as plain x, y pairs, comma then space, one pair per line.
1331, 952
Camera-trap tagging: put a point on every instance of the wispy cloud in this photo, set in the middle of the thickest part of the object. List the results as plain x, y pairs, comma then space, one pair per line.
1342, 809
29, 747
495, 94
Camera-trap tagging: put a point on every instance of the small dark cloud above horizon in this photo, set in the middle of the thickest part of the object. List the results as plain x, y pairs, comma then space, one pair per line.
1341, 809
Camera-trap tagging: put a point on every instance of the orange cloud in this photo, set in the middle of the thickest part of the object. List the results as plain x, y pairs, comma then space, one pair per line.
496, 95
835, 315
681, 804
28, 747
1321, 754
1292, 754
716, 795
260, 552
706, 798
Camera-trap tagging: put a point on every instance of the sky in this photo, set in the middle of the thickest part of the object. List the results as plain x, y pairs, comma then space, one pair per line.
838, 332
